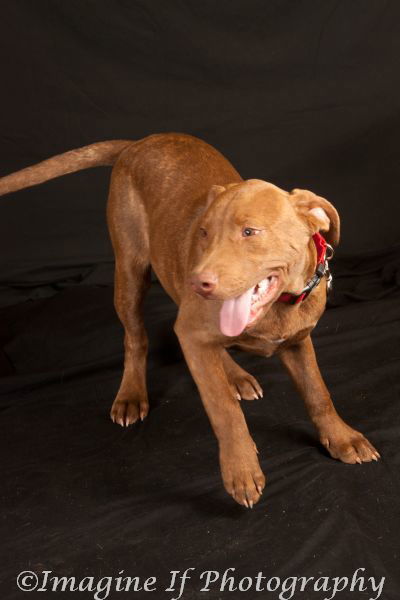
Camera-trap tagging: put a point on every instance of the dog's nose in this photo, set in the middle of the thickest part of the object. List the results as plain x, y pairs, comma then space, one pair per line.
204, 283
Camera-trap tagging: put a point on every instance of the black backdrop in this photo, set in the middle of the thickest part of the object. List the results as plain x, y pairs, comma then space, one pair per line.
304, 94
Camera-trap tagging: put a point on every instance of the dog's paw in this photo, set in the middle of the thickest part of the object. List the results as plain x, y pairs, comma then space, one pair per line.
242, 476
350, 446
246, 387
126, 411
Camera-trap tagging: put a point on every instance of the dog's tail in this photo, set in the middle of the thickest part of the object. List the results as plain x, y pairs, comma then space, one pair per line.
101, 154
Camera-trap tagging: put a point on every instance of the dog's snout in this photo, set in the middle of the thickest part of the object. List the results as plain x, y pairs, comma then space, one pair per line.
204, 283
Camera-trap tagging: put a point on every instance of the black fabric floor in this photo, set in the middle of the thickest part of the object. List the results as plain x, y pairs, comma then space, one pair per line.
84, 497
303, 94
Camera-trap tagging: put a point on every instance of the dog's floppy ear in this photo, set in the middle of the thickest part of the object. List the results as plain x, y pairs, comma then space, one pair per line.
215, 191
321, 215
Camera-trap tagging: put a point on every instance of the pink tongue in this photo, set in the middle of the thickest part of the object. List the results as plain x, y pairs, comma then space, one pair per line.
235, 314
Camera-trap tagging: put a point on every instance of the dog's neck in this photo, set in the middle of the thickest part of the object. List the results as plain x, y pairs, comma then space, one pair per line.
303, 270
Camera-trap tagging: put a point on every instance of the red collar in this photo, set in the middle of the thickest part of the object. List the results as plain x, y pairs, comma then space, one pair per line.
321, 270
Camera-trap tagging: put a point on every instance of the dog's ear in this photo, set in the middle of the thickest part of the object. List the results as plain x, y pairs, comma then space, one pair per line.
321, 215
215, 191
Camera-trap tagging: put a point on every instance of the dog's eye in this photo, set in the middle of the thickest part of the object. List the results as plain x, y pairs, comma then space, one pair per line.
203, 232
248, 231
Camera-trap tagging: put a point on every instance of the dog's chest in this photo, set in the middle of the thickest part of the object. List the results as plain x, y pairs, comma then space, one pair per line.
267, 345
276, 332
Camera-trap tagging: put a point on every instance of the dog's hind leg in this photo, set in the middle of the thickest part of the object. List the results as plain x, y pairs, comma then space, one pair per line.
129, 235
244, 386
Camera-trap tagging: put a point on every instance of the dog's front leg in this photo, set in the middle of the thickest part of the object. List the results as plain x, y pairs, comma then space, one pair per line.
341, 441
240, 469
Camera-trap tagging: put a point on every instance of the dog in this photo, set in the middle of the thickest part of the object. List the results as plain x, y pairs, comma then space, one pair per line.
246, 263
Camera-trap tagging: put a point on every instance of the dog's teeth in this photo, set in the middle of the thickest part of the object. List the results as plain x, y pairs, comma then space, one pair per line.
264, 285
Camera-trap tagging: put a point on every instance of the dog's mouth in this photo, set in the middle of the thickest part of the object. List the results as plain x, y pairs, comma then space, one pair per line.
238, 313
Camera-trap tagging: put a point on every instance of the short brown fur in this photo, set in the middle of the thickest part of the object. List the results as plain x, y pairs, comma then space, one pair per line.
177, 205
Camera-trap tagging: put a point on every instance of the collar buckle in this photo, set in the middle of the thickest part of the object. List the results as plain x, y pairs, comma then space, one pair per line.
328, 273
324, 254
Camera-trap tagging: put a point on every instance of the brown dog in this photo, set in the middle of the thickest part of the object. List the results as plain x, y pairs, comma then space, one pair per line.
227, 251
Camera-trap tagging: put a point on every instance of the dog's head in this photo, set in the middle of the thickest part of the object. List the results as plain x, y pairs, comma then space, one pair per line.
252, 242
